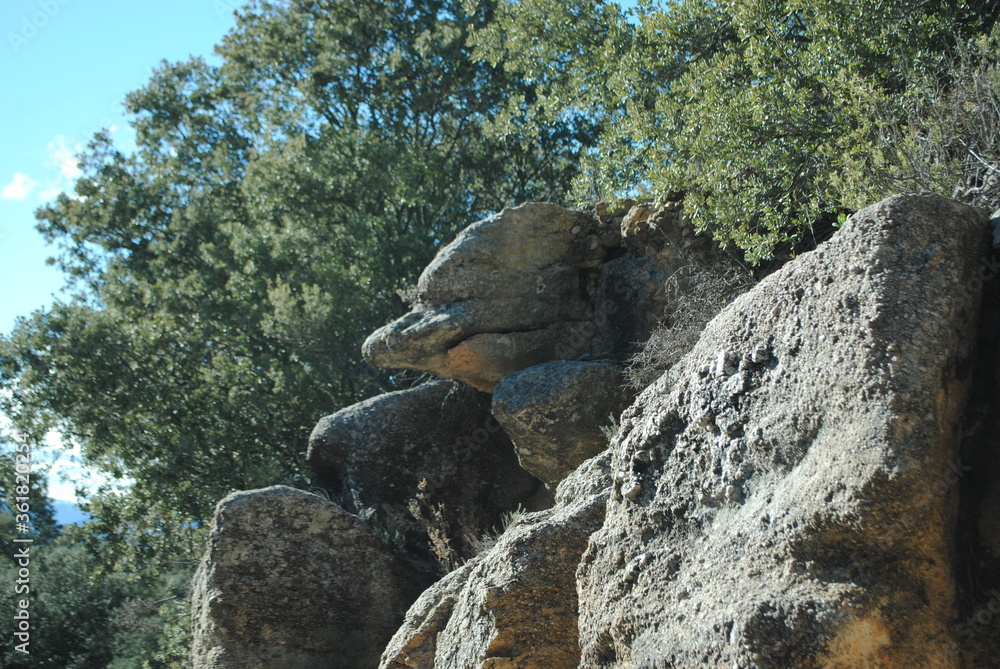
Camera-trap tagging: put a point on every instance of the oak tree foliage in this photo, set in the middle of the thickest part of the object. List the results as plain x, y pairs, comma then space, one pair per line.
768, 117
227, 271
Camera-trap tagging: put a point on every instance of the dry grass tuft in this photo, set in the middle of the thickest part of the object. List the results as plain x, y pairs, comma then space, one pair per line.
696, 294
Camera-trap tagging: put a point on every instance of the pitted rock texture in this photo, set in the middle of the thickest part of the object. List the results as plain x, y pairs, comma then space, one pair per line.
783, 496
499, 298
514, 607
428, 465
555, 412
292, 581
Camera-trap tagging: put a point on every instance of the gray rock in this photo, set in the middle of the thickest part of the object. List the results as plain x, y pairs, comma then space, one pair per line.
555, 412
429, 466
497, 299
995, 224
516, 605
797, 512
292, 581
538, 283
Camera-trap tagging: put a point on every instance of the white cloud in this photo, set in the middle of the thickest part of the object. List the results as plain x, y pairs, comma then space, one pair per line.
68, 472
62, 491
64, 462
63, 157
62, 160
19, 188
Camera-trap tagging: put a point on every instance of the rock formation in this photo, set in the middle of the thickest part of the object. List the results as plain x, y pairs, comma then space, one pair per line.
501, 297
515, 606
814, 484
780, 499
292, 581
557, 414
532, 284
429, 466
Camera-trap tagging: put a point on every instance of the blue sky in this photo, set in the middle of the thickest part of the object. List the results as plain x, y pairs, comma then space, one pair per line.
65, 68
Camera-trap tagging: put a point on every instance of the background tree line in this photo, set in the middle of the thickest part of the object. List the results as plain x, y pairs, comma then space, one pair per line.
224, 274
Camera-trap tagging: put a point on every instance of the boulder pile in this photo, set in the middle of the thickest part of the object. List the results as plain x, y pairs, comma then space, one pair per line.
815, 483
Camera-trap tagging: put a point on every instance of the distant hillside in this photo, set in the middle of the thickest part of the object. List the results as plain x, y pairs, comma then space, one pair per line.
68, 513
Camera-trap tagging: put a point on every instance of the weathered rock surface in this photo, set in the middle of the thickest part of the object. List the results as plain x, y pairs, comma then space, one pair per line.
538, 283
782, 495
814, 485
292, 581
514, 607
646, 228
554, 413
428, 466
499, 298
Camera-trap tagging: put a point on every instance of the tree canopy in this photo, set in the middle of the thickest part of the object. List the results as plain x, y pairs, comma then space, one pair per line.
229, 269
224, 274
768, 117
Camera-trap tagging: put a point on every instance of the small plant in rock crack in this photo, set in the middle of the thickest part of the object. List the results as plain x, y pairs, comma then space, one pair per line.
486, 541
611, 428
433, 516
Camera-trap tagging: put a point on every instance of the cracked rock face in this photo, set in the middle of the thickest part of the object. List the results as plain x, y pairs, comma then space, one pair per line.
783, 496
292, 581
515, 606
505, 295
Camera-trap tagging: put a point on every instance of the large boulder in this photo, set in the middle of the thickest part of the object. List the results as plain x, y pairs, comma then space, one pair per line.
499, 298
292, 581
557, 414
429, 466
514, 607
538, 283
784, 496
